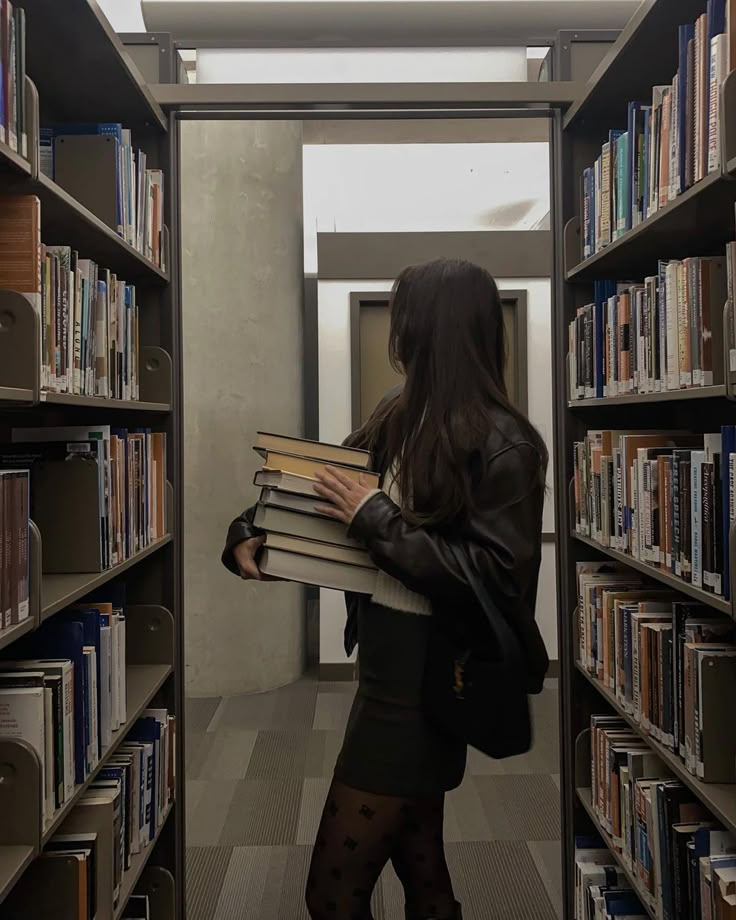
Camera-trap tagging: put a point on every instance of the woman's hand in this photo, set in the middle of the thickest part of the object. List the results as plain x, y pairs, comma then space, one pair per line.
344, 494
245, 557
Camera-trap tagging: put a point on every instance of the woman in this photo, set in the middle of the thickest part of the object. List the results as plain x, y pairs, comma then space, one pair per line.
459, 464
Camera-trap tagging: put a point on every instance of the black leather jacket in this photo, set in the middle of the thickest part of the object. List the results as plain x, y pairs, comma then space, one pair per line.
502, 538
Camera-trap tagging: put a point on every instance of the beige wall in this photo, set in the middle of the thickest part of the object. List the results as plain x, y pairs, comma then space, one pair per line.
242, 307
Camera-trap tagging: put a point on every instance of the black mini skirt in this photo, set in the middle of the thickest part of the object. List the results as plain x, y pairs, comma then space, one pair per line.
390, 746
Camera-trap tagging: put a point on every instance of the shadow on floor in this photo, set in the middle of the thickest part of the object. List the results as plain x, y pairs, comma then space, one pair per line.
258, 770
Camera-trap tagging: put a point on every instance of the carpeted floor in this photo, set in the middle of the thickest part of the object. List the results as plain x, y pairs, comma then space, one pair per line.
258, 770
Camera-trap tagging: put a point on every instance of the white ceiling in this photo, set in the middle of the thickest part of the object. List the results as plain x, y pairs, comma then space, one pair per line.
356, 23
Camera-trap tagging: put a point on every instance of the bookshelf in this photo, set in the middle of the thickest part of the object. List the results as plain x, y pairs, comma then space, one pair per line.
95, 81
699, 222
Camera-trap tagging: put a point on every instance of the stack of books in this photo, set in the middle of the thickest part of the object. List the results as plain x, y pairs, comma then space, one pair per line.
303, 545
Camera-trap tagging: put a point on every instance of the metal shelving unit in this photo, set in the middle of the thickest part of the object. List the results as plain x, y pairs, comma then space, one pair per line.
78, 70
699, 222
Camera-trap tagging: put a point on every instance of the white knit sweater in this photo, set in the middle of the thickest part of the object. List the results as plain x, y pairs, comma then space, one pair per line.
390, 592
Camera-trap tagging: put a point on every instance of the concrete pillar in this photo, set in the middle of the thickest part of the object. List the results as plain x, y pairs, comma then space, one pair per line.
243, 275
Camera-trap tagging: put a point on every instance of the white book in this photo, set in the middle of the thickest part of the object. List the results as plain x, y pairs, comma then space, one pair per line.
122, 676
697, 459
23, 716
65, 669
106, 686
90, 657
718, 74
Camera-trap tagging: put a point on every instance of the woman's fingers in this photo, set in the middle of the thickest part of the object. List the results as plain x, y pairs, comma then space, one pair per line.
332, 511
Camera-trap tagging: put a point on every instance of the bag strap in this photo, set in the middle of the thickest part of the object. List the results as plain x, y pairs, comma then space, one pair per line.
506, 638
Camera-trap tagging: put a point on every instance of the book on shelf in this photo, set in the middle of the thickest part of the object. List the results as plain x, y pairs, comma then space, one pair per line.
663, 498
602, 890
132, 199
83, 847
14, 548
73, 658
661, 335
20, 250
126, 804
13, 116
663, 835
130, 472
90, 328
670, 664
670, 142
301, 544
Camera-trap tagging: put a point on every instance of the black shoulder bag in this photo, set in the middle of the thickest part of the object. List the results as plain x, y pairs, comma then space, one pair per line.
479, 696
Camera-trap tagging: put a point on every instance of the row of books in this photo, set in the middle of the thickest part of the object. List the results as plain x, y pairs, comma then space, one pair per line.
138, 189
665, 498
119, 816
13, 127
14, 548
90, 328
301, 544
670, 663
665, 334
66, 695
602, 891
89, 318
130, 496
683, 860
668, 145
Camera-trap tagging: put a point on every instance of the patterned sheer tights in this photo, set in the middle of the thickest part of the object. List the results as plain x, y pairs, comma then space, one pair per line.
358, 835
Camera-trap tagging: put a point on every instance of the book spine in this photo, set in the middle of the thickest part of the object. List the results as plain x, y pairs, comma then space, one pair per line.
707, 542
697, 519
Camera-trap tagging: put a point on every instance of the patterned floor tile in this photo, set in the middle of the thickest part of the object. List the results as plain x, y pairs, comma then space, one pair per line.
263, 813
520, 807
199, 712
332, 711
279, 754
206, 871
205, 822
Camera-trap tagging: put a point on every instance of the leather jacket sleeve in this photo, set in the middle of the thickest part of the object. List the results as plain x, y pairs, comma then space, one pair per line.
502, 537
240, 529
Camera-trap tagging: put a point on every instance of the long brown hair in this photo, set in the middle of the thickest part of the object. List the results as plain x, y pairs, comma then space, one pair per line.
447, 337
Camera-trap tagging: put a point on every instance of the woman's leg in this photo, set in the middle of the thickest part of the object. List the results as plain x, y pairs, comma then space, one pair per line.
356, 837
419, 860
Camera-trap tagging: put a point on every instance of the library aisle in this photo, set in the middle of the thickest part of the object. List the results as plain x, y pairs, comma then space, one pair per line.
258, 770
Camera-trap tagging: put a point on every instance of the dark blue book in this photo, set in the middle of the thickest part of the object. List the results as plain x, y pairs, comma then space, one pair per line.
728, 441
647, 170
635, 130
686, 35
622, 903
90, 620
